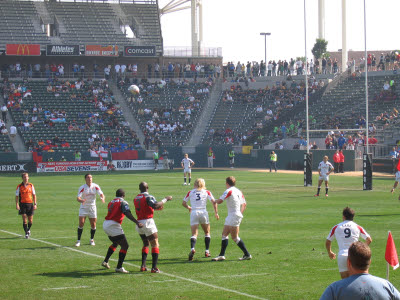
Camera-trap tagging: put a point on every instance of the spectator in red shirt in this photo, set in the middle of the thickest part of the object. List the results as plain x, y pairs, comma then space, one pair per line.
336, 161
372, 140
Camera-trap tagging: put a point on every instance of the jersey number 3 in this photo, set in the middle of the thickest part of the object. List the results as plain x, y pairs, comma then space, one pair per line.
198, 196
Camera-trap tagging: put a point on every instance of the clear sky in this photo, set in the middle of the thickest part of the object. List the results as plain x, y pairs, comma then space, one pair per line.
235, 25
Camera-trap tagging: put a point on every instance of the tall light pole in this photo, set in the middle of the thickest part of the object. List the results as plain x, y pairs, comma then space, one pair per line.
265, 45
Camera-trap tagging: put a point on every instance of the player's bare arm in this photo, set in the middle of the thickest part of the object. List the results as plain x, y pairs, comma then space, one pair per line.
331, 254
129, 215
80, 200
215, 206
17, 202
368, 240
185, 205
160, 204
219, 201
191, 164
103, 198
243, 207
34, 202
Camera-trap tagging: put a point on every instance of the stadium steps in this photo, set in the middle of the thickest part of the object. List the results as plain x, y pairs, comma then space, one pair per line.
133, 124
201, 128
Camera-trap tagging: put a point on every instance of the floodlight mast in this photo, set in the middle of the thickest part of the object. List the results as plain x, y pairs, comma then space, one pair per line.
196, 7
265, 45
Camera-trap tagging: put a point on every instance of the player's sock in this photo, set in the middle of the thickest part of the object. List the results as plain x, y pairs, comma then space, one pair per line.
184, 178
145, 251
29, 226
242, 246
207, 240
154, 255
318, 190
190, 178
193, 240
326, 190
80, 230
25, 227
110, 252
92, 233
224, 244
121, 258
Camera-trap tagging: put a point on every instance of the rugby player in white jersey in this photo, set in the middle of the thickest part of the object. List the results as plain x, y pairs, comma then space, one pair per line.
198, 214
324, 169
87, 198
187, 165
345, 233
236, 204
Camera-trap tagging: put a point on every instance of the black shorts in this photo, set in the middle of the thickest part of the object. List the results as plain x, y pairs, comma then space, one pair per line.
156, 161
117, 238
26, 209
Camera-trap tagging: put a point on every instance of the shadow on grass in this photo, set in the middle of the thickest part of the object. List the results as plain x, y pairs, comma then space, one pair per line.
11, 238
174, 261
39, 248
83, 274
382, 215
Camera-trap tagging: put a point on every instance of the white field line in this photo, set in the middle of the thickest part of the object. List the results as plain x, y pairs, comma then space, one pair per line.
65, 288
133, 265
245, 275
165, 280
57, 237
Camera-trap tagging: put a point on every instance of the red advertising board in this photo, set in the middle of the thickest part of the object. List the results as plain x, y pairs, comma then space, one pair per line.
23, 49
71, 166
98, 50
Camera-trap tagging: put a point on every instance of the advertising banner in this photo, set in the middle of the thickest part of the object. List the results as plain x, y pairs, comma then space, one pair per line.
23, 49
98, 50
62, 50
139, 51
136, 165
71, 166
17, 167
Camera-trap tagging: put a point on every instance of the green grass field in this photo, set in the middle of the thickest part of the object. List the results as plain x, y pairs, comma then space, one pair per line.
284, 228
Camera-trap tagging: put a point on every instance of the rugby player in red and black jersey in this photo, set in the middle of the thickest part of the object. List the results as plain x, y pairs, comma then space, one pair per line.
145, 204
118, 208
26, 203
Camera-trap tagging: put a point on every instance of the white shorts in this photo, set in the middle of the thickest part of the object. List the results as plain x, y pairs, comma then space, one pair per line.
324, 177
342, 263
112, 228
199, 217
88, 211
149, 227
233, 220
188, 170
398, 176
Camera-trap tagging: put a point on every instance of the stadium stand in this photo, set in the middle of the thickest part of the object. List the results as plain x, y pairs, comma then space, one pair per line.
60, 116
19, 23
175, 105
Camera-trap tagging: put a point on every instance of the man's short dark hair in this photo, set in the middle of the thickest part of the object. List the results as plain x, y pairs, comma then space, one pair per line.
360, 256
120, 193
348, 213
86, 175
23, 174
231, 180
143, 187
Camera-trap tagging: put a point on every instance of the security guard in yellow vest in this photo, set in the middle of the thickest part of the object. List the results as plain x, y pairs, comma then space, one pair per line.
273, 158
210, 158
231, 155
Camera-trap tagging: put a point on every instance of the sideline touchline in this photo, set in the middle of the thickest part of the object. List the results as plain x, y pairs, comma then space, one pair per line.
133, 265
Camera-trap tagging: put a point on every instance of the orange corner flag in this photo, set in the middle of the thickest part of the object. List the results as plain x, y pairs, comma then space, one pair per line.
391, 253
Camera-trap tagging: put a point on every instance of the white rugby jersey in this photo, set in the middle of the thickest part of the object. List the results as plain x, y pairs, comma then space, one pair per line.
187, 162
347, 233
234, 199
89, 193
325, 167
198, 199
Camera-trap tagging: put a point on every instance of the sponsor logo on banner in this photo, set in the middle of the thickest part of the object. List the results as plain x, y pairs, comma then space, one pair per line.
139, 51
62, 50
136, 165
17, 167
98, 50
23, 49
72, 166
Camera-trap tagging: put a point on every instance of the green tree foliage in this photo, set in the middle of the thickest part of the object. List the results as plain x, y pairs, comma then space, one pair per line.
319, 48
